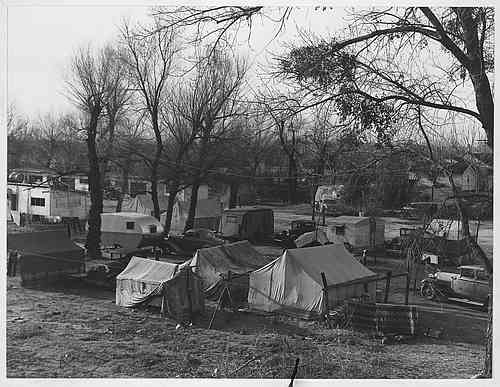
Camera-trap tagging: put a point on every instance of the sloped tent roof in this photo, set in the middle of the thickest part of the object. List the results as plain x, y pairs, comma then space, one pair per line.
212, 262
144, 279
310, 237
46, 252
144, 204
293, 281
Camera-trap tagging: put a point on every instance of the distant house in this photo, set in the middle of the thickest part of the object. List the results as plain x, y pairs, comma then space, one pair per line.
40, 194
473, 175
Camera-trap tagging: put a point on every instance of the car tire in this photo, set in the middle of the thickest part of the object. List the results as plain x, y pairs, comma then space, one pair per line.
428, 291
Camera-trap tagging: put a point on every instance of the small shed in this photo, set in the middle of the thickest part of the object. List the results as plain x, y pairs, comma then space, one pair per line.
292, 284
46, 255
148, 282
252, 223
360, 232
212, 263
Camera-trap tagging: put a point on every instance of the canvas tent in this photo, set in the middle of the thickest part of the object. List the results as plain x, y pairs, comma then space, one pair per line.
360, 232
207, 215
312, 238
145, 281
252, 223
213, 262
46, 255
143, 204
292, 283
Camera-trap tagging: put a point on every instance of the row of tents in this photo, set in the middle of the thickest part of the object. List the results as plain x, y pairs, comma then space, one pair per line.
291, 284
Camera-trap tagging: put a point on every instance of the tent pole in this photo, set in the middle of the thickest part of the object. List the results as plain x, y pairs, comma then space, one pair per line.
325, 292
387, 286
190, 304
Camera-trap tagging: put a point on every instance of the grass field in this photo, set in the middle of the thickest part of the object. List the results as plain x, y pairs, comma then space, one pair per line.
80, 332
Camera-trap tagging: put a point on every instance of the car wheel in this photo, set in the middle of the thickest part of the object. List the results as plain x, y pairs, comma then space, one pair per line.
428, 291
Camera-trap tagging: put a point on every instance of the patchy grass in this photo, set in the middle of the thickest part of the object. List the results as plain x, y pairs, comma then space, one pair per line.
80, 332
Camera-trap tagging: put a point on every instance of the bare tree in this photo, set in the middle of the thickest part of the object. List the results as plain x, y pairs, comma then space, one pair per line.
208, 103
88, 88
149, 59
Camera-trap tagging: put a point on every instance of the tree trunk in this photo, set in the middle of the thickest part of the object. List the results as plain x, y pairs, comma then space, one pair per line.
154, 192
292, 180
170, 209
96, 206
233, 194
192, 206
475, 249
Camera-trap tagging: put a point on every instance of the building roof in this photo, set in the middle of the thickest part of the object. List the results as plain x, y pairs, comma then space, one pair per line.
346, 219
247, 209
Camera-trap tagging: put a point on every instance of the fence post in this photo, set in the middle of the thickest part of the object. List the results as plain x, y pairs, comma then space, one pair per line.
325, 291
387, 286
407, 289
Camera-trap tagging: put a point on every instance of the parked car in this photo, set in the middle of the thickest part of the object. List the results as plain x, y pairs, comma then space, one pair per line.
471, 283
191, 241
297, 228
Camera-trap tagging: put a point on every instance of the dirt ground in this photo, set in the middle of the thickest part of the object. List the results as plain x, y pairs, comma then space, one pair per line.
78, 331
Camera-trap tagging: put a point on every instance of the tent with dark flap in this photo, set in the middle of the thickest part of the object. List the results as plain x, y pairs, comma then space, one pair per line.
148, 282
292, 284
239, 258
46, 255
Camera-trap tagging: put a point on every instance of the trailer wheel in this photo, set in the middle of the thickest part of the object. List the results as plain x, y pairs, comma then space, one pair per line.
428, 291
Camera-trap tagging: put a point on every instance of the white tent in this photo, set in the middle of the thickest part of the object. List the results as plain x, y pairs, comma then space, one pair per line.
145, 281
292, 283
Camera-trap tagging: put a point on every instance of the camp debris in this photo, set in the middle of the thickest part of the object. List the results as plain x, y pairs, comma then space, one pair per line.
293, 284
172, 287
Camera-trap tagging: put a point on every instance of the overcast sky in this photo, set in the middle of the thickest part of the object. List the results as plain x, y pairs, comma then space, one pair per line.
41, 41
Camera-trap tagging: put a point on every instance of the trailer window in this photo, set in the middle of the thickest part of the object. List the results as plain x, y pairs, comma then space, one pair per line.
482, 275
152, 229
339, 230
38, 202
130, 225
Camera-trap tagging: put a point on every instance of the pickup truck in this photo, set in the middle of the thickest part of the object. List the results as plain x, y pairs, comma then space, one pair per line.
471, 284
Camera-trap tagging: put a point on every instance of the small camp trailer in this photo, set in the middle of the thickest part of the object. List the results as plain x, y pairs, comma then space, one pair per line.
129, 230
358, 232
251, 223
